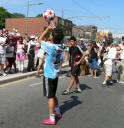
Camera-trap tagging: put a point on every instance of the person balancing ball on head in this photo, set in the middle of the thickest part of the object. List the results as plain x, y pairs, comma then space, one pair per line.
51, 71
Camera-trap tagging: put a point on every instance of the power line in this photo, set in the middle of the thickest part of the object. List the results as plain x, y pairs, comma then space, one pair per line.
87, 10
97, 17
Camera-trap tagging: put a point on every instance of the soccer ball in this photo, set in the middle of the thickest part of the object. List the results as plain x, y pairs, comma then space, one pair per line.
48, 15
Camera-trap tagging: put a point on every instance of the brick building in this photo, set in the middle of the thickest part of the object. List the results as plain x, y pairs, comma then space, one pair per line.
35, 25
86, 32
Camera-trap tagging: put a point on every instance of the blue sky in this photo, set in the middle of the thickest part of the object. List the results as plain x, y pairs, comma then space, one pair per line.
112, 8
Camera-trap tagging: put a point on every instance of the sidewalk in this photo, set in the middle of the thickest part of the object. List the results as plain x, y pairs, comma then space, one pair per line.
17, 76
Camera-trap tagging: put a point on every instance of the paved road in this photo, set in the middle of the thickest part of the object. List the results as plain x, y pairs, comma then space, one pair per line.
22, 105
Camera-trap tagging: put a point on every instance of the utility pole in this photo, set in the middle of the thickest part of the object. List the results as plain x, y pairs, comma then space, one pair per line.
27, 19
28, 5
62, 17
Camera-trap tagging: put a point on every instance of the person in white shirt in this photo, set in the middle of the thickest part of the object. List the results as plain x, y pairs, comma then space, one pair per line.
112, 55
121, 66
41, 58
2, 53
31, 54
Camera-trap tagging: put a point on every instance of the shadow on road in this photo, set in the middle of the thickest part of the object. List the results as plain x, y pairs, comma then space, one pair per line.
69, 104
84, 87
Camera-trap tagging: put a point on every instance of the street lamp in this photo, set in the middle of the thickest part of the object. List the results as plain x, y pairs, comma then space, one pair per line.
28, 5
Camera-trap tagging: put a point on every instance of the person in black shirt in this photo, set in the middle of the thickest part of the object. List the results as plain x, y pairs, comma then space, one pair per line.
94, 58
76, 56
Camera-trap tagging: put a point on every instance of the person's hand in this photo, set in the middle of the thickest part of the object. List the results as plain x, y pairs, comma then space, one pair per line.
50, 27
77, 63
1, 43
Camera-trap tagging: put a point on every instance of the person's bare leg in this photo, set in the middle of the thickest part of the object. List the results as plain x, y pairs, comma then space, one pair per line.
91, 72
106, 78
0, 67
71, 83
38, 70
77, 82
95, 70
51, 105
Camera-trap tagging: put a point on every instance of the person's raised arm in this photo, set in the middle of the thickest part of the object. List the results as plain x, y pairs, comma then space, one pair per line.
44, 33
95, 49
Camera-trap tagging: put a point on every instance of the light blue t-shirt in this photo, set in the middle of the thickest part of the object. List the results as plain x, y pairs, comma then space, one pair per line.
52, 61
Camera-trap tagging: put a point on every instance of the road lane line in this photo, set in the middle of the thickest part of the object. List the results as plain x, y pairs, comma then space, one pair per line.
32, 85
17, 81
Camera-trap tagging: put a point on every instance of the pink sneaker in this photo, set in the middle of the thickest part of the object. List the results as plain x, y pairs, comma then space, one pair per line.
49, 122
59, 115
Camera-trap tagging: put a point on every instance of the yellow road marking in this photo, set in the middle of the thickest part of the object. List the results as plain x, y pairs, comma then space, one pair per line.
17, 81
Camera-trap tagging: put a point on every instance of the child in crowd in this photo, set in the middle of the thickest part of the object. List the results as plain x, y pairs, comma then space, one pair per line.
10, 56
77, 55
20, 54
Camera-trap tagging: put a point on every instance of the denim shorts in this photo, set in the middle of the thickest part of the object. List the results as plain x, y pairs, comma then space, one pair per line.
94, 64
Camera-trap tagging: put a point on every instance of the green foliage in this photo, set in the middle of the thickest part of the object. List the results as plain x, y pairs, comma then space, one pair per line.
19, 15
58, 27
5, 14
61, 28
48, 34
73, 24
39, 15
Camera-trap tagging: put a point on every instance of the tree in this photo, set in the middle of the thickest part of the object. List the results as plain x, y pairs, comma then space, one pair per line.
4, 14
39, 15
19, 15
61, 30
60, 26
48, 34
73, 24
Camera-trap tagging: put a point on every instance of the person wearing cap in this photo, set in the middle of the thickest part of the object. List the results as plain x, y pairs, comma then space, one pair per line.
84, 63
31, 53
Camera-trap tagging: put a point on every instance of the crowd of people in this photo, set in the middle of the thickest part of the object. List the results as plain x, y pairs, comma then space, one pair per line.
48, 54
109, 57
14, 50
84, 58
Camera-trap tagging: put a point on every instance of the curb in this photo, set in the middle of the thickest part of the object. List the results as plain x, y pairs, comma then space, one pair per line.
17, 77
21, 76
